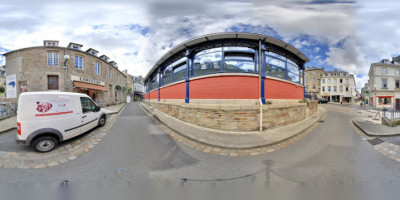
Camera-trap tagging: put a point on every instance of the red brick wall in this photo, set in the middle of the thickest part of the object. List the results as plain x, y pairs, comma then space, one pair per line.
177, 91
230, 87
275, 89
224, 87
154, 95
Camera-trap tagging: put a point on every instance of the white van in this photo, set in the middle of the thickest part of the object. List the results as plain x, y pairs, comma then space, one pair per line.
46, 118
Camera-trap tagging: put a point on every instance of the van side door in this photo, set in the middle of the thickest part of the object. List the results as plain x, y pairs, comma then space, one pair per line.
89, 115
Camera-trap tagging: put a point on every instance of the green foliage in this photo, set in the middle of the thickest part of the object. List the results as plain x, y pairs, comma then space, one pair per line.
268, 102
2, 89
129, 90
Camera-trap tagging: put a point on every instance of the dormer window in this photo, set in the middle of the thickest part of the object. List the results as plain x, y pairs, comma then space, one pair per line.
75, 46
104, 57
50, 43
92, 51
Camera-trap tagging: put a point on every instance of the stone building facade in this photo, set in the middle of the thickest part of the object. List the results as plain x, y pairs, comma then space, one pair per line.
50, 67
338, 86
384, 84
312, 83
2, 82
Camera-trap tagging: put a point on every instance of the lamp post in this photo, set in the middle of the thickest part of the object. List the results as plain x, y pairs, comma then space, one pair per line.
66, 58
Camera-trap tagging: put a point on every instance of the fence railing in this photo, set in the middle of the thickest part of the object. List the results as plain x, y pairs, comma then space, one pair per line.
8, 109
391, 114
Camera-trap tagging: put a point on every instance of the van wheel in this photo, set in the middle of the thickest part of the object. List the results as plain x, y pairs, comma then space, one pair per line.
102, 121
44, 144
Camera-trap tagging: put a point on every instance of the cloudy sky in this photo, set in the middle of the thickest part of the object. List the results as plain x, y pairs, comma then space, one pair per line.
335, 34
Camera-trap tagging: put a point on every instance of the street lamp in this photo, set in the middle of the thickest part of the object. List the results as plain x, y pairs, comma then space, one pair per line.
66, 58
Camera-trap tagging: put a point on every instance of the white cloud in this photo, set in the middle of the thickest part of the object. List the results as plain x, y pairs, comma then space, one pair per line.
366, 31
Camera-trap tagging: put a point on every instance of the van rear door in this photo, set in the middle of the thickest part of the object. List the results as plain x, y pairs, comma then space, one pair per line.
89, 115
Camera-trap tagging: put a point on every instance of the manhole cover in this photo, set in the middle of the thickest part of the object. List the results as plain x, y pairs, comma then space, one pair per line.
122, 170
375, 141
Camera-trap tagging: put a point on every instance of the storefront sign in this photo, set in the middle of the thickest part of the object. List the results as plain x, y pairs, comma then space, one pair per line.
11, 86
384, 94
87, 80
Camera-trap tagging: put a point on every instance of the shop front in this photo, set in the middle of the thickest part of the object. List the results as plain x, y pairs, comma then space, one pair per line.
93, 88
384, 100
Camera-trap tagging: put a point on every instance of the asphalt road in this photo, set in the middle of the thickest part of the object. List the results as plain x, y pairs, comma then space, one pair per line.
331, 153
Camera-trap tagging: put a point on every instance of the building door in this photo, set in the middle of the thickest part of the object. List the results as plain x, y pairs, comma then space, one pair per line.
128, 98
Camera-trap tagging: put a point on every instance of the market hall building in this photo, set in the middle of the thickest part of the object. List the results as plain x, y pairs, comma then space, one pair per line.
215, 81
53, 68
226, 66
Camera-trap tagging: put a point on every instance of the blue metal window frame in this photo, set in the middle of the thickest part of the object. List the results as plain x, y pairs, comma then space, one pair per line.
286, 68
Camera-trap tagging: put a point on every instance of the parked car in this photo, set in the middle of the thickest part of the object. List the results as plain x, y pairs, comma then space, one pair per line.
322, 100
46, 118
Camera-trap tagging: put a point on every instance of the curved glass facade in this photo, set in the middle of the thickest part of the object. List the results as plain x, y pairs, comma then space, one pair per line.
226, 59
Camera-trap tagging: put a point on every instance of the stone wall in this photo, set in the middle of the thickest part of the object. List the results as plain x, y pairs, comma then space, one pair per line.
30, 66
231, 117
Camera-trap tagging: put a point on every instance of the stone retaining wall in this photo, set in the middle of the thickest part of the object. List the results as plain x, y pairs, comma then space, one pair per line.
233, 117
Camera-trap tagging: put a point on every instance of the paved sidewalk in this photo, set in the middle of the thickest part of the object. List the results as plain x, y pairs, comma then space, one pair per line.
11, 122
236, 144
114, 109
372, 129
8, 124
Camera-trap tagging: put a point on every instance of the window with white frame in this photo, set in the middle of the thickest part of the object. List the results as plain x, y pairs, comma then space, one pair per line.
329, 81
313, 86
323, 81
117, 78
397, 71
313, 79
341, 88
79, 62
347, 81
334, 88
334, 80
52, 58
98, 69
329, 88
109, 73
323, 88
347, 88
384, 83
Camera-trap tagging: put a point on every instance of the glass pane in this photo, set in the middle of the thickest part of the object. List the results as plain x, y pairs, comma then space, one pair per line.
275, 71
181, 75
207, 63
293, 77
293, 63
239, 56
275, 55
274, 61
211, 50
179, 62
243, 49
293, 69
86, 105
168, 71
240, 66
166, 80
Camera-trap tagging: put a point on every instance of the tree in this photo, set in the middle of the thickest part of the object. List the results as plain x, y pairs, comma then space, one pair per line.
2, 89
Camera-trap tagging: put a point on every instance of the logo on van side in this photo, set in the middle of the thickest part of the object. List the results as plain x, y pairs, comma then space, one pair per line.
53, 107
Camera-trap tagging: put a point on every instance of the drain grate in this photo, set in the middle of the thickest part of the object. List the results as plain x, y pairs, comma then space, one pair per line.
375, 141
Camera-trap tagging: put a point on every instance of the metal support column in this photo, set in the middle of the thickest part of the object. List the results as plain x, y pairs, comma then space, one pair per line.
188, 66
159, 82
261, 68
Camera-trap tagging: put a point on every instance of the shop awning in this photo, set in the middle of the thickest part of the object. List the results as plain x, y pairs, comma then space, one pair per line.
89, 86
346, 96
